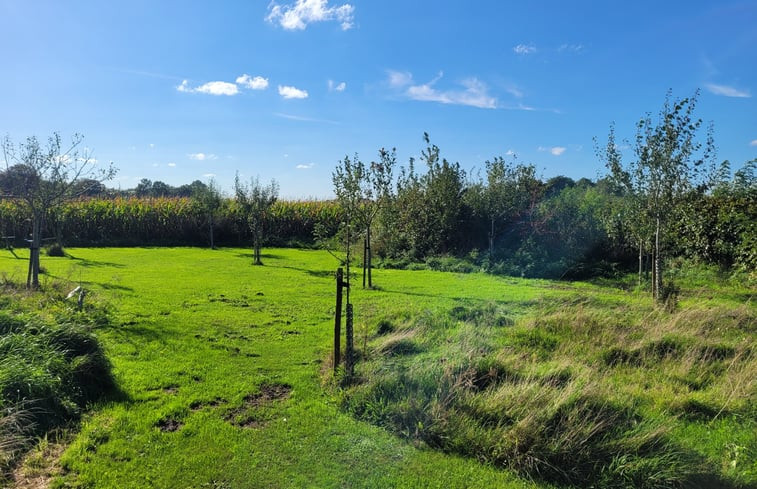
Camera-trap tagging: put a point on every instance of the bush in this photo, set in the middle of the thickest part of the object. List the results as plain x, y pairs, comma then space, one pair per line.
56, 250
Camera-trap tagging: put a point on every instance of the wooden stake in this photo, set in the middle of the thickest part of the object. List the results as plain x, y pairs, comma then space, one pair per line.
338, 319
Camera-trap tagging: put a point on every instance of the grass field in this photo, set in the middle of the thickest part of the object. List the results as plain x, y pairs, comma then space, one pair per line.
223, 367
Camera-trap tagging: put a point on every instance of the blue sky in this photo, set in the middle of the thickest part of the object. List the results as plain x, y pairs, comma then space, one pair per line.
183, 90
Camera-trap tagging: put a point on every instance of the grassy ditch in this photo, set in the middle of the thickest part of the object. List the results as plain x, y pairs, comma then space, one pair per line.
580, 391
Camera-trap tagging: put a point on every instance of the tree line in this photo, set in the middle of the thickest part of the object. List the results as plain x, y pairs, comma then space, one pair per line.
666, 197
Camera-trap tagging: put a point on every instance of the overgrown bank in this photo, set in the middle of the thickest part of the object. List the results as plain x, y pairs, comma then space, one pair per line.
51, 367
588, 391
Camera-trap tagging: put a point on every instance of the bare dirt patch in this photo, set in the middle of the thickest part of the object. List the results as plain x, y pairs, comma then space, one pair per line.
251, 413
169, 425
198, 405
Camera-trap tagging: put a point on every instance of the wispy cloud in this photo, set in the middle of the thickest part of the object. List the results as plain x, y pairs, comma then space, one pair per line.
474, 93
307, 166
253, 83
297, 16
727, 91
514, 91
172, 165
292, 92
302, 119
553, 150
399, 79
202, 156
524, 49
571, 48
208, 175
753, 143
210, 88
337, 87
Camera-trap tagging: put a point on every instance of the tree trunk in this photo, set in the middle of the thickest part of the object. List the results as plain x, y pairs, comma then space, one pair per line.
210, 221
338, 319
641, 262
657, 289
349, 351
256, 231
348, 331
32, 279
365, 258
369, 254
491, 242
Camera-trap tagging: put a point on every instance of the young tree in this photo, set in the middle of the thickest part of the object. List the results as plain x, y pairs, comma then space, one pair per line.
209, 198
362, 191
45, 177
379, 196
668, 163
255, 200
507, 193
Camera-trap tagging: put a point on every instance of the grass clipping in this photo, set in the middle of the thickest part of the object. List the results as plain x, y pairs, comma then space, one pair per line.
572, 396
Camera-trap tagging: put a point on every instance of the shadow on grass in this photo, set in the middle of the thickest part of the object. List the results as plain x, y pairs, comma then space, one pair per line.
312, 273
108, 286
714, 481
263, 256
84, 262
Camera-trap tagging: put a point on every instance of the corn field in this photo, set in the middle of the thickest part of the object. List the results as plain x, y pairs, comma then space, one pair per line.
167, 221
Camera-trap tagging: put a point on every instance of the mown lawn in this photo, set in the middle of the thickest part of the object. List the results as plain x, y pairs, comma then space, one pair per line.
223, 364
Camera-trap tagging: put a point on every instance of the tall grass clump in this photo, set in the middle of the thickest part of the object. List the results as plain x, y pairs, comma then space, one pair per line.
49, 372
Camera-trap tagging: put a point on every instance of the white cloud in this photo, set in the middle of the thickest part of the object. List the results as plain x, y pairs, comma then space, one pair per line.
753, 143
172, 165
253, 83
292, 92
337, 87
202, 156
554, 150
211, 88
218, 88
297, 16
474, 93
524, 49
510, 152
152, 145
305, 167
727, 91
208, 175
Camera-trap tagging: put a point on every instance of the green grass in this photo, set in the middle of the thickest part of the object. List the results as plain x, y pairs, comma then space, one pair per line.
225, 370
